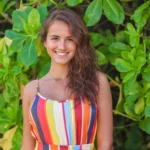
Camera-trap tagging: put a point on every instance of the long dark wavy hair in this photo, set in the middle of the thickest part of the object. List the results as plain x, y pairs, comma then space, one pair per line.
82, 74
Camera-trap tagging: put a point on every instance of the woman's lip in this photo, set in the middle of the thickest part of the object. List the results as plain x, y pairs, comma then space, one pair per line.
61, 53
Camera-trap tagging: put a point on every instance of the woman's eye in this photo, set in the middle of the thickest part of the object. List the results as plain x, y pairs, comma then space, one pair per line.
54, 39
70, 39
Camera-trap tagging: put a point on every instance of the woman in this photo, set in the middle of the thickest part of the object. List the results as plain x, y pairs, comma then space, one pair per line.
64, 109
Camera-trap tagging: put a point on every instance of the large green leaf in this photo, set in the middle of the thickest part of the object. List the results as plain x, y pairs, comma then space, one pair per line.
18, 18
139, 62
144, 19
29, 53
101, 58
43, 12
93, 12
73, 2
129, 109
34, 20
17, 45
138, 12
96, 38
145, 125
17, 139
44, 70
13, 35
133, 35
122, 65
147, 98
131, 74
118, 47
139, 106
132, 88
147, 111
113, 11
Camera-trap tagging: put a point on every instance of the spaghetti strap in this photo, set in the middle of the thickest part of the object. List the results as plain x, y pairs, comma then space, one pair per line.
37, 85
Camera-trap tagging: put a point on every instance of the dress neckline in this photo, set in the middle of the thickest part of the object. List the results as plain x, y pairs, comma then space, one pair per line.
54, 100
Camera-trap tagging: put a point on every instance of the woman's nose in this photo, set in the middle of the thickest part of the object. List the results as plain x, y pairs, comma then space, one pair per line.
61, 44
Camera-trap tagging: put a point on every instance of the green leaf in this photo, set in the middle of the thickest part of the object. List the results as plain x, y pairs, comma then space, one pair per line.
147, 96
15, 35
18, 18
15, 70
134, 135
113, 11
139, 106
9, 5
128, 56
139, 62
73, 2
34, 20
29, 53
147, 69
2, 102
17, 139
122, 65
145, 125
129, 109
93, 12
146, 76
6, 61
131, 29
133, 35
43, 12
129, 75
1, 6
101, 58
132, 88
16, 45
138, 12
147, 111
44, 70
2, 44
118, 47
143, 20
96, 38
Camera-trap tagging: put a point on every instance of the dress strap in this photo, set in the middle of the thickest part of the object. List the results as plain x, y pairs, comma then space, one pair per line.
37, 85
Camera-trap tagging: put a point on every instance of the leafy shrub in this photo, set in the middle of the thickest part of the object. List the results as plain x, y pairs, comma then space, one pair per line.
119, 32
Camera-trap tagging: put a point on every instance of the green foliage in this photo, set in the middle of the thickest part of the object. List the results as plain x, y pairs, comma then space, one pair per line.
119, 33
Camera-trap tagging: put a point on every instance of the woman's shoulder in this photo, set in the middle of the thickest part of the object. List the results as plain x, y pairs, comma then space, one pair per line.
102, 77
30, 90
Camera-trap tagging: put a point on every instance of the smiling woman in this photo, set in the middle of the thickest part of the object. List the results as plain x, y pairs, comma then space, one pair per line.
67, 107
60, 44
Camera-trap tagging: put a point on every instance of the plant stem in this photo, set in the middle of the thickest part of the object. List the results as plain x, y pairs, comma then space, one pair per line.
119, 113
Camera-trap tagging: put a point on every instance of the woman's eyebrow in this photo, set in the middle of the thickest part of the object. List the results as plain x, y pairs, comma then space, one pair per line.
54, 35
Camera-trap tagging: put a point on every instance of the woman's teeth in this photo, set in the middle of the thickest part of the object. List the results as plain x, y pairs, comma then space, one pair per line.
61, 54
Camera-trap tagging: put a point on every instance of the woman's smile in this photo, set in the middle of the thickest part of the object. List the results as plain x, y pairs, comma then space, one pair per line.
60, 43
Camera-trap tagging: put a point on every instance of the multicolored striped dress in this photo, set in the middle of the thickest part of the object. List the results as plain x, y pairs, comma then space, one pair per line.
63, 125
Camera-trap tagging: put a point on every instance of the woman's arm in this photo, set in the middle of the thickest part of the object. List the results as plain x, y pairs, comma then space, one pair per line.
105, 118
28, 142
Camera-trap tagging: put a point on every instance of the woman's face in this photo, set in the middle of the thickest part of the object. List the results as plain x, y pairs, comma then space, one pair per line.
60, 43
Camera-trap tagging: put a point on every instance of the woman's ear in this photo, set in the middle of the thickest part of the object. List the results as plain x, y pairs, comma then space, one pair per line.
45, 45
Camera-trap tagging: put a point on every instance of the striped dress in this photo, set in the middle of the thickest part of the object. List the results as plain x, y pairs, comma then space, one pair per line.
63, 125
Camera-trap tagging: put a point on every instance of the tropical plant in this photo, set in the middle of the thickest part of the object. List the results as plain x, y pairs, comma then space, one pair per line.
119, 33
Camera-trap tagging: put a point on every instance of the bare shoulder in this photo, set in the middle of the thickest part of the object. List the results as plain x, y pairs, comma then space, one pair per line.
104, 88
29, 91
102, 78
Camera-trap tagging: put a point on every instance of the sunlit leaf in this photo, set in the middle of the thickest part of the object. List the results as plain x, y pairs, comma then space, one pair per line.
93, 12
113, 11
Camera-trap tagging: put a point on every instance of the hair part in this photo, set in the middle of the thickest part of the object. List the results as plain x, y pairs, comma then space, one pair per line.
82, 76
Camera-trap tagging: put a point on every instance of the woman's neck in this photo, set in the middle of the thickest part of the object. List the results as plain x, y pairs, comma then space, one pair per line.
58, 71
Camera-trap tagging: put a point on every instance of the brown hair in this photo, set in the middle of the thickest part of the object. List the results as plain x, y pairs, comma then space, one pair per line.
82, 77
